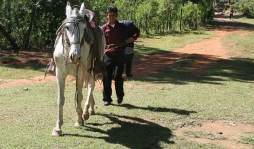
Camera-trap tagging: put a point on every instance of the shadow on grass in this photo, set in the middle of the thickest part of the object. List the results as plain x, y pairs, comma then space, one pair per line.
227, 24
181, 68
25, 60
174, 33
133, 132
158, 109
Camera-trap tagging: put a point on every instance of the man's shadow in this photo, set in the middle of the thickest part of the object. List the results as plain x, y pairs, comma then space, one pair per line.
132, 132
158, 109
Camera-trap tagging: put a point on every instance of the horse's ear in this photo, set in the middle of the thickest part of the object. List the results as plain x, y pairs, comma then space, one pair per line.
68, 10
82, 9
86, 12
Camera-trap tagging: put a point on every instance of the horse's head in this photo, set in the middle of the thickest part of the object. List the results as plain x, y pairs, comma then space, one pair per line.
73, 28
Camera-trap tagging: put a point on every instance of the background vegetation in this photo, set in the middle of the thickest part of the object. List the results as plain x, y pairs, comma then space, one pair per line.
31, 24
246, 7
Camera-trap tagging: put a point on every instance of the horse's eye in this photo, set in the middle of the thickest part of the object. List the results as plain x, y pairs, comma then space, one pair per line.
67, 27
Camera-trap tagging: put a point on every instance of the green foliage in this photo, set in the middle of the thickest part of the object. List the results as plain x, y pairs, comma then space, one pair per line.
32, 24
191, 15
246, 7
23, 19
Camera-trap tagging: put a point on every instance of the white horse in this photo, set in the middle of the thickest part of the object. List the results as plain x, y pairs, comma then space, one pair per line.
71, 56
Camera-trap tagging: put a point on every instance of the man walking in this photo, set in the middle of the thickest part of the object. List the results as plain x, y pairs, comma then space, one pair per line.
115, 34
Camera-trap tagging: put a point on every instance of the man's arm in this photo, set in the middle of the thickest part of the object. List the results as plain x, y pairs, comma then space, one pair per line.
135, 33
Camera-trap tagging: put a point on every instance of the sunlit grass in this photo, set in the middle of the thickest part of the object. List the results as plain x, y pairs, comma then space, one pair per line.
148, 117
248, 139
172, 41
241, 44
10, 73
245, 20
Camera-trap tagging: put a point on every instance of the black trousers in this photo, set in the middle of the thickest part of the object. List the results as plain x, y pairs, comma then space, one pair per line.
114, 66
128, 64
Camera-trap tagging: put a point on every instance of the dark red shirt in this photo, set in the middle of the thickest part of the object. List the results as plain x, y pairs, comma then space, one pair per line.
115, 37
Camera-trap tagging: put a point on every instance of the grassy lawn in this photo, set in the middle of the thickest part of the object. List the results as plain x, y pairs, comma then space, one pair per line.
150, 45
245, 20
152, 110
243, 44
19, 73
147, 120
154, 106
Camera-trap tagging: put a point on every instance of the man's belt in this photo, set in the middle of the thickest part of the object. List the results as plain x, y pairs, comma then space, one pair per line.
109, 46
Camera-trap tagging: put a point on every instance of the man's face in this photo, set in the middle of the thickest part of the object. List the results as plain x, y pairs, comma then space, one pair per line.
111, 17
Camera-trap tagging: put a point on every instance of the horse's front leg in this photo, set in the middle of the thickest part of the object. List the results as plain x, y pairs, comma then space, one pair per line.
78, 100
92, 104
60, 102
90, 100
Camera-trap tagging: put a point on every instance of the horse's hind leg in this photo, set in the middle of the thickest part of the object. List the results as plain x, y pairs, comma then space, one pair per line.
78, 101
90, 100
60, 103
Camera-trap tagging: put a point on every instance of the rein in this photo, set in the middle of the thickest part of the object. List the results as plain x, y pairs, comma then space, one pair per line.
76, 92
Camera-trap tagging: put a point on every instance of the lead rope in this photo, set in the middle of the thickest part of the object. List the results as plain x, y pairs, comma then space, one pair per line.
76, 93
76, 96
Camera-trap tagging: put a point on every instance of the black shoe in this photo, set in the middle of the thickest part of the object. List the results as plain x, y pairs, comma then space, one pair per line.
119, 100
107, 103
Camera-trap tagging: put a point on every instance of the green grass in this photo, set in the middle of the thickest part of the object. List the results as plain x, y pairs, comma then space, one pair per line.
28, 116
248, 139
166, 43
245, 20
151, 113
19, 73
243, 44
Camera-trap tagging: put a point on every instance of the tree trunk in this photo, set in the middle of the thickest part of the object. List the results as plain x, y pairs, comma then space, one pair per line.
26, 42
8, 36
181, 17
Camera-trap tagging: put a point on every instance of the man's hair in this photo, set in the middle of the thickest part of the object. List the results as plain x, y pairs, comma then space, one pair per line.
112, 9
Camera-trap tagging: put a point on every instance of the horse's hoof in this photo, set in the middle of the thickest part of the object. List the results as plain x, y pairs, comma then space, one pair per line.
79, 124
91, 112
85, 116
56, 132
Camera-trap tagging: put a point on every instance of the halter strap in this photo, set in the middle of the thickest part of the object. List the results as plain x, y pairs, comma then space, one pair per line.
74, 20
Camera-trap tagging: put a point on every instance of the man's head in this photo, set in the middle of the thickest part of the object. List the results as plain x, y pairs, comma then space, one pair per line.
112, 14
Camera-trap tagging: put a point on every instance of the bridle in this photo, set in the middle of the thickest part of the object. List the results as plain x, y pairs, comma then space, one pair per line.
61, 31
75, 21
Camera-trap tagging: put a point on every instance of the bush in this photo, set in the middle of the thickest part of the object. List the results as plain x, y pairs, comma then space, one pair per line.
246, 7
191, 16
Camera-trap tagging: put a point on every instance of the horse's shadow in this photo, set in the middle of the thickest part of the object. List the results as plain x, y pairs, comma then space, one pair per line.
159, 109
133, 132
